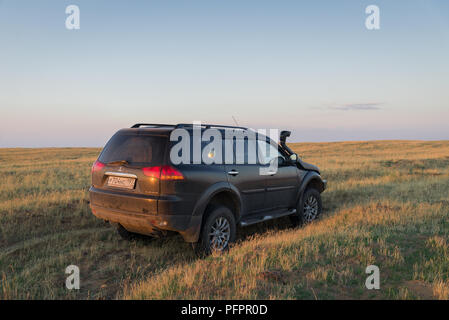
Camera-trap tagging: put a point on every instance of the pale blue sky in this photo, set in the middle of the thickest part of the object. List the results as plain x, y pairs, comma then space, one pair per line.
310, 66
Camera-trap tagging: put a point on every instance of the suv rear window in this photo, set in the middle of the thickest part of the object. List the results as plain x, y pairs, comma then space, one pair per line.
136, 149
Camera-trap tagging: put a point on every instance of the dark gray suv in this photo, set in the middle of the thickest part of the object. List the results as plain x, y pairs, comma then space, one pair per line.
137, 186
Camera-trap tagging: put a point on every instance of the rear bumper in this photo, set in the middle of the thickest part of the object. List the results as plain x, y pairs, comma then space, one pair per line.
106, 206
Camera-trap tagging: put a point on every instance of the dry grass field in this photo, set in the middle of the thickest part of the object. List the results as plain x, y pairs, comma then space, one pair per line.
387, 204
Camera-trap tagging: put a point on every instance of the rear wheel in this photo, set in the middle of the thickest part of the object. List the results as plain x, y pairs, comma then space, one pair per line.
309, 208
218, 230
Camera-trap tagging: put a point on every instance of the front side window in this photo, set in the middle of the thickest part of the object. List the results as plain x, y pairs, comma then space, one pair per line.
268, 152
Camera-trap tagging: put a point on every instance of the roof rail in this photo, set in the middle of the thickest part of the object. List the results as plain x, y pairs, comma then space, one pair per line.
185, 125
207, 126
138, 125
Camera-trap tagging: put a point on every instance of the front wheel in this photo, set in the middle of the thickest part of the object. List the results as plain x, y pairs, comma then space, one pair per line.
309, 208
218, 230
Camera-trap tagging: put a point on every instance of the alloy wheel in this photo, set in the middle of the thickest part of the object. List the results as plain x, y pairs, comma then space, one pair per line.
310, 208
220, 234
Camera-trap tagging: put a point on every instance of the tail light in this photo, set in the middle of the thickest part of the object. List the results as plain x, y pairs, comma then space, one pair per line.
154, 172
170, 173
163, 173
97, 166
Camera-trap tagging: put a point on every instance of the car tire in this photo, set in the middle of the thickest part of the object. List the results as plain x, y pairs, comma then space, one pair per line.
218, 231
125, 234
309, 208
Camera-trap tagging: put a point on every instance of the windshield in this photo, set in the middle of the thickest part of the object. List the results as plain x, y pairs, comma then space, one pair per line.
134, 149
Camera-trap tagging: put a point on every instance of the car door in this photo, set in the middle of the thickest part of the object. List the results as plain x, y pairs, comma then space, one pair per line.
246, 178
282, 184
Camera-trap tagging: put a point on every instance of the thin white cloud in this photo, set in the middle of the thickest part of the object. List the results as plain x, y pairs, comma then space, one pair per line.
357, 106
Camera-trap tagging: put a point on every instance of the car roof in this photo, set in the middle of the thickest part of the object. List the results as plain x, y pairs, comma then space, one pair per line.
166, 129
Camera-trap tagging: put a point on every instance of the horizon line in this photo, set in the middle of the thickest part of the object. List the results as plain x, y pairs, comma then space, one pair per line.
301, 142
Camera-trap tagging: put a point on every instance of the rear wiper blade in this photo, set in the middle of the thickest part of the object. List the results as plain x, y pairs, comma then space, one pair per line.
118, 162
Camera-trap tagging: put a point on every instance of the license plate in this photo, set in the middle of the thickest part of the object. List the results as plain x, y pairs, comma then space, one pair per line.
121, 182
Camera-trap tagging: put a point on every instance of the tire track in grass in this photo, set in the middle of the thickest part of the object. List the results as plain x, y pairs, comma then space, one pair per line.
31, 242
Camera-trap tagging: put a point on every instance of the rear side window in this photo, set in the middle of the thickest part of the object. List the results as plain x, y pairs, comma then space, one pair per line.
136, 149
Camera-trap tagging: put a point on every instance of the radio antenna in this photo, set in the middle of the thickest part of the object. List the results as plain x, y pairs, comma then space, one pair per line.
235, 121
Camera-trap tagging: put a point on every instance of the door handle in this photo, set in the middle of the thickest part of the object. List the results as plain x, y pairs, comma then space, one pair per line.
233, 173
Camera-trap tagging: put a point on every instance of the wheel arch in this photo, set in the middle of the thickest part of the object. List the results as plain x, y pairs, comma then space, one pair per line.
219, 194
225, 198
312, 179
